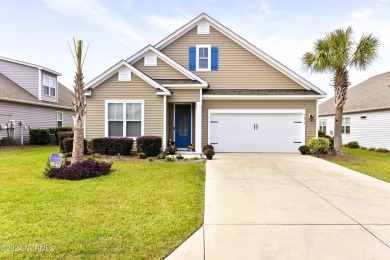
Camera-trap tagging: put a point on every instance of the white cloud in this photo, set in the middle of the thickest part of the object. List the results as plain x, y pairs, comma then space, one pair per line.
168, 24
362, 15
94, 12
263, 9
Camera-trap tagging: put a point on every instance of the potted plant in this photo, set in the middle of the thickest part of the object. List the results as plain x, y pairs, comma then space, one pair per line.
209, 153
191, 147
171, 148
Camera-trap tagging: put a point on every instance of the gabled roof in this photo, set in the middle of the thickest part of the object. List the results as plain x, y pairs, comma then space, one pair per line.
160, 90
139, 55
239, 40
371, 94
12, 92
30, 65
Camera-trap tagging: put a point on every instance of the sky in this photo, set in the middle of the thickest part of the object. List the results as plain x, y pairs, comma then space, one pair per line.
39, 31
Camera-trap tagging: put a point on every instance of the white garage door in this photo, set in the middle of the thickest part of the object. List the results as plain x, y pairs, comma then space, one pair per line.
256, 132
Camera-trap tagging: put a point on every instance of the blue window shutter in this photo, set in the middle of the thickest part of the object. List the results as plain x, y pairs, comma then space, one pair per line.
192, 58
214, 58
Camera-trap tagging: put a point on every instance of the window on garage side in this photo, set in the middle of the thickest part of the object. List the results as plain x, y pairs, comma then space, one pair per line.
59, 119
323, 124
124, 119
49, 86
346, 125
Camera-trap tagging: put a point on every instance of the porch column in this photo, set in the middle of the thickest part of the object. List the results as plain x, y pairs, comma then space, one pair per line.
198, 127
164, 139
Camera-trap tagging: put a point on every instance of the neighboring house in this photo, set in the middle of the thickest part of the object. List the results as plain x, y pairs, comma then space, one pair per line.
30, 96
204, 84
366, 116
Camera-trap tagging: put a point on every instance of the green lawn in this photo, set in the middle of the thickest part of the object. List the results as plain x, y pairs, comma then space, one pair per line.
141, 210
370, 163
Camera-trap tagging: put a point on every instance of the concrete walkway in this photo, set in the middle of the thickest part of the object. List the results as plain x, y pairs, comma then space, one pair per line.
287, 206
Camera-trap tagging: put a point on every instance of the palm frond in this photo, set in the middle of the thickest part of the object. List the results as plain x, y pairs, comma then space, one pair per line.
366, 52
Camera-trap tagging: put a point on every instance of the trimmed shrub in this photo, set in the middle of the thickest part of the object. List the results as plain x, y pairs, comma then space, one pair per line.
39, 136
112, 146
82, 170
142, 156
169, 159
58, 130
371, 149
207, 146
62, 136
321, 133
331, 140
382, 150
67, 145
9, 141
363, 148
353, 144
304, 149
149, 145
179, 156
318, 145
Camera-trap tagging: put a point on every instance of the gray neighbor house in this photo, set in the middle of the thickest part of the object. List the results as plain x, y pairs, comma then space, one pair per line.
31, 97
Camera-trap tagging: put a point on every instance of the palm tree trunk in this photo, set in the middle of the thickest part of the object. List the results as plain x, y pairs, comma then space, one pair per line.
79, 103
340, 83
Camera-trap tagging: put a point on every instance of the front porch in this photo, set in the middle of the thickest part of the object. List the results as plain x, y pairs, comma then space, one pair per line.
184, 126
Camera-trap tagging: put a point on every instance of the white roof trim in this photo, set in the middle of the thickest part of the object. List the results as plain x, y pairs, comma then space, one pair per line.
261, 97
30, 65
136, 57
34, 103
183, 86
250, 47
114, 69
358, 111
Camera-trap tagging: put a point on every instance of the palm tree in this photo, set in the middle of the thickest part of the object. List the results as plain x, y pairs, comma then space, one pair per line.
79, 103
336, 53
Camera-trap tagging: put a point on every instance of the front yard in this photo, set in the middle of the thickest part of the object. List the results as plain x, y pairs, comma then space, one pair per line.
367, 162
141, 210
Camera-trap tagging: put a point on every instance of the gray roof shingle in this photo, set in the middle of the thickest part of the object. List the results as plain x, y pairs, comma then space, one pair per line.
371, 94
259, 92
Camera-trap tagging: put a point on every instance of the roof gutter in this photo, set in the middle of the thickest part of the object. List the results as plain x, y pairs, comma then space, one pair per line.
261, 97
34, 103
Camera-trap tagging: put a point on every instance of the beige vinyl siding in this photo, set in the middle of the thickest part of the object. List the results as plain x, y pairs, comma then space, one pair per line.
184, 95
161, 71
237, 68
308, 105
112, 89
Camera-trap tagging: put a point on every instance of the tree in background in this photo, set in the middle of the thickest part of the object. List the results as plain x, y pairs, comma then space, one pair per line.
337, 52
79, 102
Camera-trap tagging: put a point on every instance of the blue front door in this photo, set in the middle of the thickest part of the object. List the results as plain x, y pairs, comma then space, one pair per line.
182, 125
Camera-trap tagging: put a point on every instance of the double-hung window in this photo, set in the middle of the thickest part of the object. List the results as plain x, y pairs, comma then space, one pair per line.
346, 125
59, 119
203, 57
124, 118
49, 86
323, 124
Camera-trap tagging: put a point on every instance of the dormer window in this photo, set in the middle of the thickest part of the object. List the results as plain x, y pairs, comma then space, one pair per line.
150, 59
49, 86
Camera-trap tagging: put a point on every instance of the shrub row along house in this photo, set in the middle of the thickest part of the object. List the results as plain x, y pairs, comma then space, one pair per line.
366, 116
31, 96
204, 84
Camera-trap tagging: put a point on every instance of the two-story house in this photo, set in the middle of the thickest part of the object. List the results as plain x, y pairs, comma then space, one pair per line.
31, 96
204, 84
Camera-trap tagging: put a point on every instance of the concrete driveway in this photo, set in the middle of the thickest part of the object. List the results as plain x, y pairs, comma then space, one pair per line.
288, 206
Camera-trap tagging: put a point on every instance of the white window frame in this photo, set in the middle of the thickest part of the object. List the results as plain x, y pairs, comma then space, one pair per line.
62, 118
55, 86
124, 74
124, 120
322, 124
209, 58
344, 125
150, 59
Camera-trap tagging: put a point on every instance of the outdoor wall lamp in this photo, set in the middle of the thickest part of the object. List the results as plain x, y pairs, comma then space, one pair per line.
311, 117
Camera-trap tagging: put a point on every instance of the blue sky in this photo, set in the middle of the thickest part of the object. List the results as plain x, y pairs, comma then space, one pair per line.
38, 31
